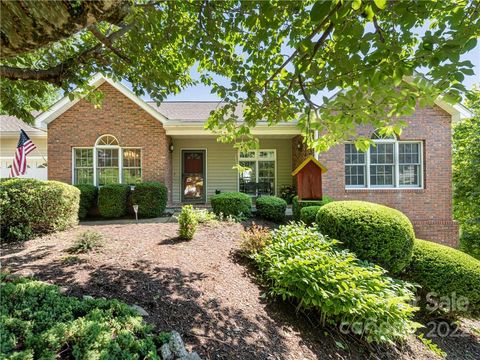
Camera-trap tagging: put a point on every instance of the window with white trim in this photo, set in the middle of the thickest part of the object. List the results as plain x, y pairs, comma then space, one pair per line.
388, 163
258, 175
107, 163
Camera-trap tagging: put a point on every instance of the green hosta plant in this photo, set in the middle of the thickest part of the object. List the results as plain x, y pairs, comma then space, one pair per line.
187, 222
301, 264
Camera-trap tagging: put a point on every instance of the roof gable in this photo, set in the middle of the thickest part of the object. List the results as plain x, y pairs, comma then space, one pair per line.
309, 159
65, 103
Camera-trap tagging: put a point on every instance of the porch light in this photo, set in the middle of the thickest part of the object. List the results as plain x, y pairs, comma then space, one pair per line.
171, 147
299, 146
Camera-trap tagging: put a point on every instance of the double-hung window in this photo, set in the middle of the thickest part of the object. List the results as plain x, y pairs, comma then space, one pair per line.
107, 163
388, 163
258, 174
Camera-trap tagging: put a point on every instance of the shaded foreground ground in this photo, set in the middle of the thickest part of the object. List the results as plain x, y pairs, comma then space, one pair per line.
201, 289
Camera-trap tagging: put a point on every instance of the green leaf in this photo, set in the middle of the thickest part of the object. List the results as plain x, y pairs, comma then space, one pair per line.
356, 4
319, 11
470, 44
381, 3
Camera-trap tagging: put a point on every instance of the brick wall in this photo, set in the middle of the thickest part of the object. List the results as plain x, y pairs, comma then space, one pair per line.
82, 124
429, 209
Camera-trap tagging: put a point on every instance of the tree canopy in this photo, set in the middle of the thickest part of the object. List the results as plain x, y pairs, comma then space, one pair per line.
277, 56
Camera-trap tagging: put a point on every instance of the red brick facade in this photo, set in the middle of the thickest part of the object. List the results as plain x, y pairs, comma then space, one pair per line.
82, 125
430, 208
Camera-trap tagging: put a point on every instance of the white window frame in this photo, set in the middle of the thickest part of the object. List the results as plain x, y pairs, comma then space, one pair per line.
256, 159
95, 158
396, 162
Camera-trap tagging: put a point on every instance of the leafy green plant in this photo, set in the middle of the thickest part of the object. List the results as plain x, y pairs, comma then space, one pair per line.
151, 198
271, 208
37, 322
88, 199
301, 264
204, 216
232, 203
297, 205
449, 279
112, 200
187, 222
31, 207
86, 242
432, 346
374, 232
308, 214
470, 239
254, 240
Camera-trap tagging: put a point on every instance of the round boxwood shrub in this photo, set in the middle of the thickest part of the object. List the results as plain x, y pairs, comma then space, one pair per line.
112, 200
30, 207
297, 205
88, 198
374, 232
271, 208
448, 277
151, 198
309, 214
231, 204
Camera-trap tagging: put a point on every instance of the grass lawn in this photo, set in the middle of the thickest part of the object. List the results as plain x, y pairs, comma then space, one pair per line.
204, 291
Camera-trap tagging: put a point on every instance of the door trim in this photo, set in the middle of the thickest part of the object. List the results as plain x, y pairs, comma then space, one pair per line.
205, 156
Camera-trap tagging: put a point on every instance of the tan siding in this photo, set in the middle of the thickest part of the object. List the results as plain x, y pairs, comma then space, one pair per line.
220, 160
8, 145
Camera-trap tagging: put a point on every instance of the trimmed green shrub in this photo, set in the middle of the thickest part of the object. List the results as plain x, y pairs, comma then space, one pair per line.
88, 198
151, 198
298, 205
271, 208
450, 279
187, 223
37, 322
374, 232
309, 214
301, 264
30, 207
470, 239
112, 200
232, 204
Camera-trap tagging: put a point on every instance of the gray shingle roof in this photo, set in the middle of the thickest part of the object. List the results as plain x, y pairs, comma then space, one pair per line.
10, 125
194, 111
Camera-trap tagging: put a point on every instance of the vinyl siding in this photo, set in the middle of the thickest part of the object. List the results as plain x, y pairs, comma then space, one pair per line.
220, 160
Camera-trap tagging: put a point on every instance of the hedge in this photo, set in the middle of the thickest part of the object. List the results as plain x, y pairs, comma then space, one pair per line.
298, 205
30, 207
112, 200
450, 276
38, 322
302, 265
88, 199
374, 232
309, 214
151, 198
271, 208
470, 239
231, 204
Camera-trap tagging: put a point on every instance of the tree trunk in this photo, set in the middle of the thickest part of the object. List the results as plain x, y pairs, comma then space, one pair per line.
29, 25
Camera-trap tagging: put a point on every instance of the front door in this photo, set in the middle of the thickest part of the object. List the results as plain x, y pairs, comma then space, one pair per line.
193, 176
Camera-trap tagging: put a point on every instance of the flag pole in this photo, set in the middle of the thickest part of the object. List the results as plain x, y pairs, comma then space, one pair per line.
41, 155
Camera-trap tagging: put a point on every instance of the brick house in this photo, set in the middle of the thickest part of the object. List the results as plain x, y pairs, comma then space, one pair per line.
129, 140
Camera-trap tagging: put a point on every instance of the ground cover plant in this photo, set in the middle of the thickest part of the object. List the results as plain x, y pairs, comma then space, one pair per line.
86, 242
373, 232
31, 207
449, 279
37, 322
271, 208
298, 263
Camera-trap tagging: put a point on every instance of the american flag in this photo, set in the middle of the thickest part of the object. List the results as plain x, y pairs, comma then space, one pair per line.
25, 146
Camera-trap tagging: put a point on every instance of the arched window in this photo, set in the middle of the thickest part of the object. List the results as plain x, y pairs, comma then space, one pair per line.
107, 163
388, 163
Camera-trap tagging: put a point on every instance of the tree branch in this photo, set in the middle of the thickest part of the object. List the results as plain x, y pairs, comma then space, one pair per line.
378, 29
108, 43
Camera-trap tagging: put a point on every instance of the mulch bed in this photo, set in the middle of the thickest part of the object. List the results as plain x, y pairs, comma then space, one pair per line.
200, 288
